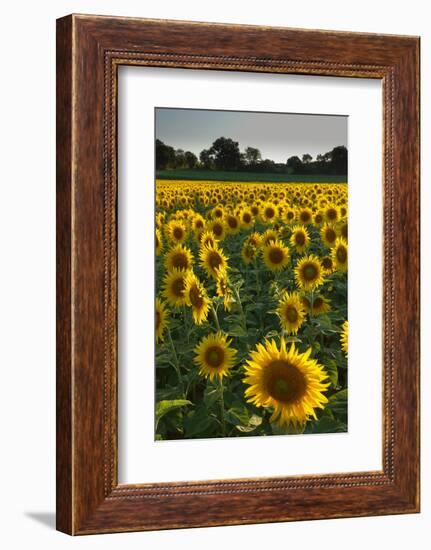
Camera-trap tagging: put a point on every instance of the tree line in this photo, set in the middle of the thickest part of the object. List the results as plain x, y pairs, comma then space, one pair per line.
225, 155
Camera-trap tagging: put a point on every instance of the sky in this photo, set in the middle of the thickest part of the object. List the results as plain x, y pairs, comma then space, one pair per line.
278, 136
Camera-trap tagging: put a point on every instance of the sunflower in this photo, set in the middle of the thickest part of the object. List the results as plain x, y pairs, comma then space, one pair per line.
339, 255
276, 255
332, 213
309, 273
288, 382
214, 356
161, 320
160, 219
300, 238
159, 242
321, 305
318, 219
178, 257
232, 224
344, 337
198, 223
223, 288
248, 252
290, 215
305, 216
255, 239
268, 212
270, 236
327, 265
218, 228
207, 238
212, 258
176, 231
291, 312
246, 218
196, 297
174, 287
328, 234
218, 212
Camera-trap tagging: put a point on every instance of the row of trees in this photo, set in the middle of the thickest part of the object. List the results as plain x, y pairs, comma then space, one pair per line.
224, 154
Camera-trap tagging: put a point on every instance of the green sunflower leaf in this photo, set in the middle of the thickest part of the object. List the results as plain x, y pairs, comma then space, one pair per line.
338, 405
237, 415
165, 406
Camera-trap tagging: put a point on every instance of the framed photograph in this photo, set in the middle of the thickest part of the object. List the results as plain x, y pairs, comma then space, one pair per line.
237, 274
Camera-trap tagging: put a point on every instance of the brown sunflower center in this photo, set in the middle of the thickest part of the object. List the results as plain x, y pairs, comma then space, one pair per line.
232, 222
180, 260
199, 224
341, 254
248, 251
300, 238
330, 235
310, 272
317, 303
284, 382
178, 287
217, 229
246, 218
318, 218
196, 297
331, 214
291, 314
290, 215
214, 259
276, 255
269, 212
178, 233
214, 356
327, 263
305, 216
158, 319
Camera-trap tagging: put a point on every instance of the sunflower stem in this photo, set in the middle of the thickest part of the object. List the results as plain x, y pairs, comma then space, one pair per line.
214, 314
176, 362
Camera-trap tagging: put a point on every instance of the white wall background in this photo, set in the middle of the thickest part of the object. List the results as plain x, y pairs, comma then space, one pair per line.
27, 246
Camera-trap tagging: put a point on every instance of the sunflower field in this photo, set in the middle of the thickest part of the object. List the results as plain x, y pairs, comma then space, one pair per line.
250, 309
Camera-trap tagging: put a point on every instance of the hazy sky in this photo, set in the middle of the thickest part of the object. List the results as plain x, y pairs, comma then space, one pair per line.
278, 136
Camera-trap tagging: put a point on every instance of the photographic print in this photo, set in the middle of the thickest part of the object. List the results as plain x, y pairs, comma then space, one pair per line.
251, 245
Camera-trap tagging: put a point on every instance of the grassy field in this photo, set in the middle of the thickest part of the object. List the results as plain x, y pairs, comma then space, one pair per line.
210, 175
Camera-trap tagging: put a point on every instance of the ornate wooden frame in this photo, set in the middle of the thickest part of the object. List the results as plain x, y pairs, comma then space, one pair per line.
89, 51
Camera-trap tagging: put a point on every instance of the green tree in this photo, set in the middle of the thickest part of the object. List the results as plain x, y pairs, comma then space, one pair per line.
206, 157
165, 156
191, 160
252, 155
226, 153
293, 165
